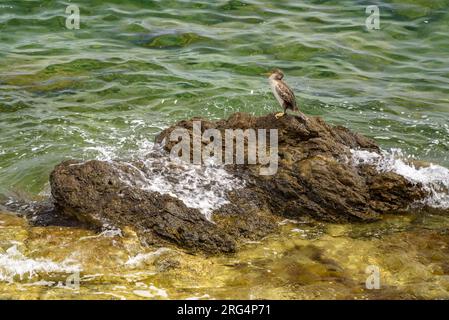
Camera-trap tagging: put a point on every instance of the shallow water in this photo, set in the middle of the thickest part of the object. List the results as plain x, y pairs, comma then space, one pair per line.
135, 67
307, 260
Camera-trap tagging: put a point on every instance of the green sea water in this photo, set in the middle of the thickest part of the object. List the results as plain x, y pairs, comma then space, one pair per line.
135, 67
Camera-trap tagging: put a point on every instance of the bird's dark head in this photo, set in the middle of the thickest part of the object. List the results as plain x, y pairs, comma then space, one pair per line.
276, 74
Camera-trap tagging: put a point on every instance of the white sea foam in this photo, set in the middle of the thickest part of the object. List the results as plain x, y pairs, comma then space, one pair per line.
203, 187
14, 263
107, 233
104, 153
151, 292
143, 257
434, 178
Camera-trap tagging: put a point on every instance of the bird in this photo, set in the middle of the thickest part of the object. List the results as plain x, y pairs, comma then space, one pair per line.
282, 92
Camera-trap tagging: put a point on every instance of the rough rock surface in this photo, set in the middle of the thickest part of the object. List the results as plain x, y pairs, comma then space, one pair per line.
315, 177
94, 193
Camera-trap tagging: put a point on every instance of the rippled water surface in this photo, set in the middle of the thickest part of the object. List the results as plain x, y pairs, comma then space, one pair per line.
135, 67
307, 260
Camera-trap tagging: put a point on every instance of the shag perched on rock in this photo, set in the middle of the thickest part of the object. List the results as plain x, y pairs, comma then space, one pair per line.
284, 95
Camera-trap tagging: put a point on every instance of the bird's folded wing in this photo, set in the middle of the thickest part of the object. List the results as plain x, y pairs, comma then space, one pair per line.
285, 93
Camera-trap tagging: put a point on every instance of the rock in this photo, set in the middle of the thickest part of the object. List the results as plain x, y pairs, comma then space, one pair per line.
315, 177
94, 193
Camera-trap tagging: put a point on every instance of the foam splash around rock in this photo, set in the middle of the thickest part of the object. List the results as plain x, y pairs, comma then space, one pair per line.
203, 187
434, 178
165, 201
14, 263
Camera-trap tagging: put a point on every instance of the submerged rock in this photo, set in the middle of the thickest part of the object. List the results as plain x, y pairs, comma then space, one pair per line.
315, 177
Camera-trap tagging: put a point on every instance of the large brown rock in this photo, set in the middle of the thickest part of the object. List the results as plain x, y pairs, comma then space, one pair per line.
103, 194
94, 193
315, 177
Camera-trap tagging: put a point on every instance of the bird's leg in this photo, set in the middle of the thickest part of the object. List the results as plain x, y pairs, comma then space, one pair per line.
278, 115
281, 114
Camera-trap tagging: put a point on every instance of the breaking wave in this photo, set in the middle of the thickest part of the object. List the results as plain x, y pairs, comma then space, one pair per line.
203, 187
14, 263
434, 178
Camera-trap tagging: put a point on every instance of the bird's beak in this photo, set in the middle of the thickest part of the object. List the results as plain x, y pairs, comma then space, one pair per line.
267, 74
